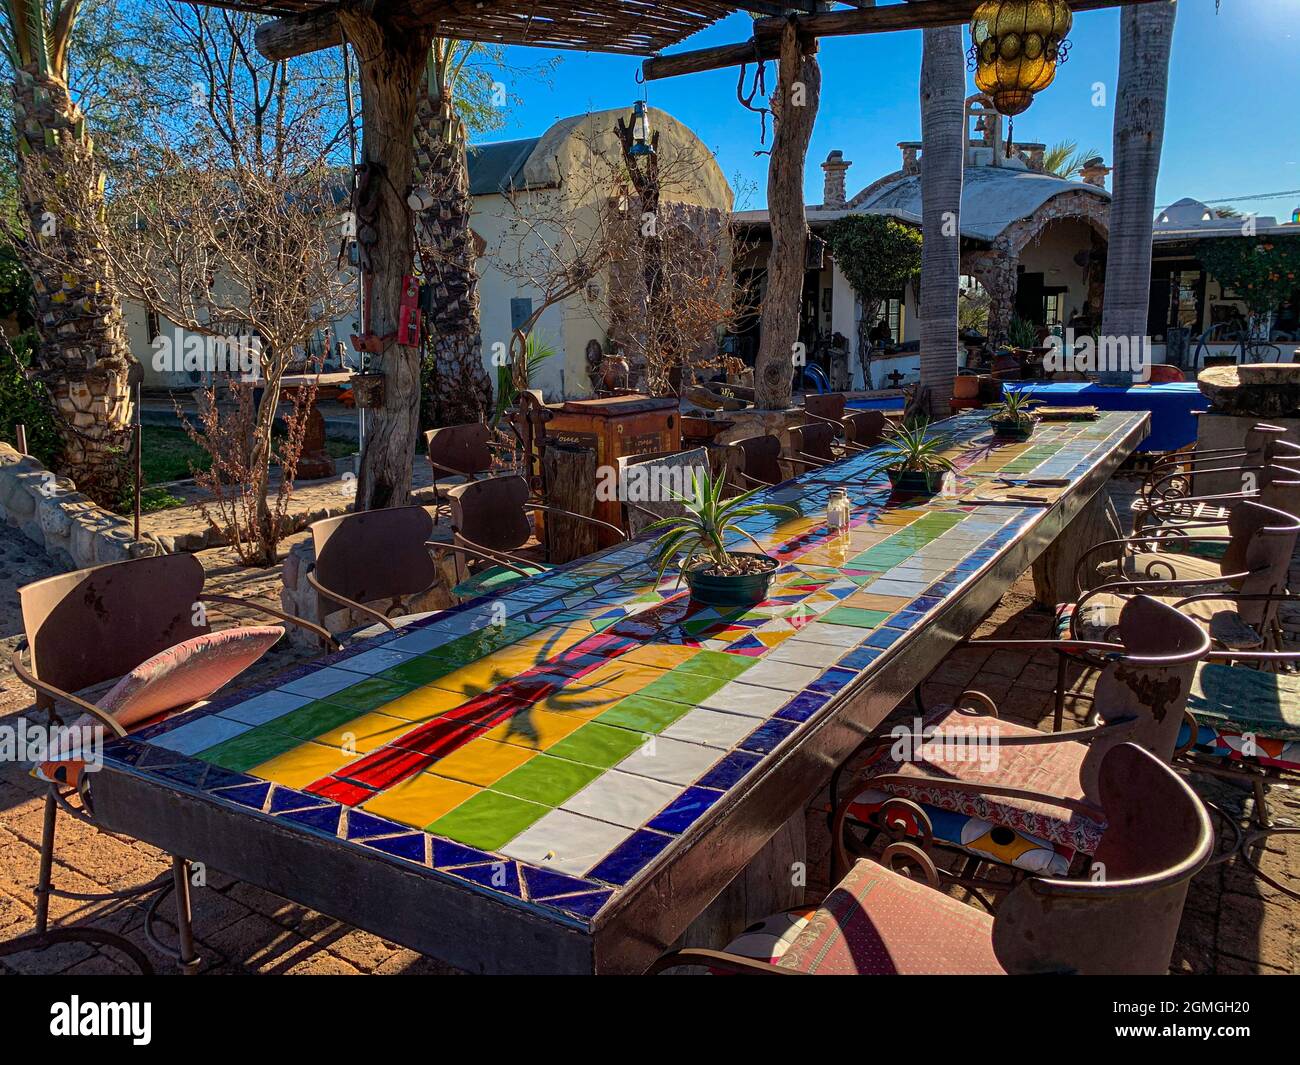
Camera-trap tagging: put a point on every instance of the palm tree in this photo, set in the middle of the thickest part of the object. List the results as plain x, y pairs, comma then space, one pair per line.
455, 387
943, 158
82, 355
1146, 32
1065, 160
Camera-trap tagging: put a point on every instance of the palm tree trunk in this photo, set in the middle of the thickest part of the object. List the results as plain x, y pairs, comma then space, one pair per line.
83, 355
1146, 33
455, 387
943, 158
794, 106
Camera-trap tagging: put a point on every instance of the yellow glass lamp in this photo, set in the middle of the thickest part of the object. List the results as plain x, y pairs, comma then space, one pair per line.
1015, 46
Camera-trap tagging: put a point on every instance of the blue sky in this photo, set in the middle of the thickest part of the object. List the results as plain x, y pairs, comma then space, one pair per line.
1232, 126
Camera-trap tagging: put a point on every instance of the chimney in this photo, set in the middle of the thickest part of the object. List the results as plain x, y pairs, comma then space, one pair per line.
1094, 172
835, 195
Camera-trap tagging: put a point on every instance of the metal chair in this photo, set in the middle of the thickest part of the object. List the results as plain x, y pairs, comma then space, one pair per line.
1270, 484
825, 407
459, 452
490, 520
371, 556
669, 469
1121, 919
864, 428
1171, 476
813, 444
92, 626
757, 461
1139, 698
1235, 598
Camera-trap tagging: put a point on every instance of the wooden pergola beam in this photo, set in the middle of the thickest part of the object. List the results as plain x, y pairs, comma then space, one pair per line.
765, 44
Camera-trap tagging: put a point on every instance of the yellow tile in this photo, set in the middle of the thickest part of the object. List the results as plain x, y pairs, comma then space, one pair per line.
303, 765
535, 729
581, 701
420, 799
366, 733
482, 762
623, 676
771, 639
474, 679
422, 704
665, 656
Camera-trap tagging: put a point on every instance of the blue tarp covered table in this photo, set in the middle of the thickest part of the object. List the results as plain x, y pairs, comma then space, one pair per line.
1173, 407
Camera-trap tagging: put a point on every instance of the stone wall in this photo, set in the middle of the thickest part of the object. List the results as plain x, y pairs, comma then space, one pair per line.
72, 530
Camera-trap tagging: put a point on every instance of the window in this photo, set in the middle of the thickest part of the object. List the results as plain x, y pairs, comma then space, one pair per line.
521, 309
152, 324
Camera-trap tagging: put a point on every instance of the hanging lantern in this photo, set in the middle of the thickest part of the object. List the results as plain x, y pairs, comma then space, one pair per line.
640, 130
1015, 46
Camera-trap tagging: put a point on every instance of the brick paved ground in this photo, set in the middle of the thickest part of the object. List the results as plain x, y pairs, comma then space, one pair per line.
1232, 924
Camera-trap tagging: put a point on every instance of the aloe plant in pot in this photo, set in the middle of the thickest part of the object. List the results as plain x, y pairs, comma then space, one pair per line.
913, 462
1012, 418
716, 575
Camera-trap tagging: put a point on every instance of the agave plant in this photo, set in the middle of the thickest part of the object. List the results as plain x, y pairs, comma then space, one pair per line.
1013, 409
906, 448
700, 533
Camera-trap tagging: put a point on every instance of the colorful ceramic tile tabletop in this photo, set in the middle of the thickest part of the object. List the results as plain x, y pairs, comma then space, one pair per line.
547, 744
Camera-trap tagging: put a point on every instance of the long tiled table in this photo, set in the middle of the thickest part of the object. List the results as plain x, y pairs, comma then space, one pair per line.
562, 777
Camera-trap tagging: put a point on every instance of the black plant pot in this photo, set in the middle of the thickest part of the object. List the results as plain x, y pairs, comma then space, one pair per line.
1012, 430
917, 482
743, 589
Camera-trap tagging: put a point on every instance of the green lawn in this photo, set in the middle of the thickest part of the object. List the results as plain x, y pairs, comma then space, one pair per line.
170, 455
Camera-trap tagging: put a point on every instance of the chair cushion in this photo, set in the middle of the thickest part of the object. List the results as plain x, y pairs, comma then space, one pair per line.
1246, 700
1223, 742
1049, 768
490, 580
977, 837
1162, 565
878, 922
191, 670
1099, 619
770, 938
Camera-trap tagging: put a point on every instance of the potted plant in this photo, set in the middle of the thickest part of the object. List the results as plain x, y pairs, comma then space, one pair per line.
716, 576
914, 463
1011, 418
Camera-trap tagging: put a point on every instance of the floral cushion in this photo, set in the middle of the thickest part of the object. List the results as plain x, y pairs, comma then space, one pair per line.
770, 938
877, 922
977, 837
1250, 747
1047, 768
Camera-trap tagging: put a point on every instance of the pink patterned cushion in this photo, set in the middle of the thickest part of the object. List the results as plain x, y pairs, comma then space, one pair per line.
1047, 768
190, 671
879, 923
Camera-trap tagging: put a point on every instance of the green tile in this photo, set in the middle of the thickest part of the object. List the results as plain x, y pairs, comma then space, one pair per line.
418, 672
546, 780
370, 694
717, 663
598, 745
643, 713
308, 722
854, 615
683, 686
254, 747
487, 820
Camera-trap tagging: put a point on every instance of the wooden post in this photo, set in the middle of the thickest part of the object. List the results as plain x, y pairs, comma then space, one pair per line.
570, 475
392, 63
794, 107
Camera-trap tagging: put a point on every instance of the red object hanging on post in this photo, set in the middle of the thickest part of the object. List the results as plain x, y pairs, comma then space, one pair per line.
408, 319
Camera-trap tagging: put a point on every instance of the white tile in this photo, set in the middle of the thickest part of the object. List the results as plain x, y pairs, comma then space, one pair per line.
323, 682
783, 675
746, 699
840, 636
265, 707
565, 842
375, 660
622, 799
801, 651
713, 727
199, 735
670, 760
